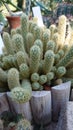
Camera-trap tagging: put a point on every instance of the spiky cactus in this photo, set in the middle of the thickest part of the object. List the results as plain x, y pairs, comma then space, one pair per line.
8, 43
34, 58
23, 125
39, 43
60, 71
35, 77
37, 32
50, 45
18, 45
42, 79
50, 76
20, 57
13, 78
45, 39
67, 59
24, 28
48, 61
29, 41
53, 29
24, 71
13, 32
35, 86
22, 93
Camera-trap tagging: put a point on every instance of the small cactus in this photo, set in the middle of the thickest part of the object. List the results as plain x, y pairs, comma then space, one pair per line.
23, 125
35, 77
50, 76
3, 75
42, 79
34, 58
24, 71
60, 71
48, 61
13, 78
35, 86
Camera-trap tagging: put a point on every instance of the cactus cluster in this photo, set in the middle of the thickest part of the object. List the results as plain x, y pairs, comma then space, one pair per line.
36, 56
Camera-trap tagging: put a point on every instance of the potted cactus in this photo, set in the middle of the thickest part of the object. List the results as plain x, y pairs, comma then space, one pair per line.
34, 56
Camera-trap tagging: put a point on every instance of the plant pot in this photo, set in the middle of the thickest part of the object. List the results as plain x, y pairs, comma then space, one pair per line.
14, 21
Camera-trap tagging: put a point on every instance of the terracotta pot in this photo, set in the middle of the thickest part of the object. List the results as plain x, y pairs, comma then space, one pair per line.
14, 21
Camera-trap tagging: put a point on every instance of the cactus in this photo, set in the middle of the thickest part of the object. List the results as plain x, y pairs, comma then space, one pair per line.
13, 32
29, 41
68, 79
18, 30
60, 71
61, 53
37, 33
45, 39
50, 76
62, 29
17, 40
67, 59
24, 28
53, 29
24, 71
39, 43
8, 43
13, 78
35, 86
35, 77
20, 57
42, 79
65, 48
34, 58
57, 58
56, 40
50, 45
48, 61
23, 125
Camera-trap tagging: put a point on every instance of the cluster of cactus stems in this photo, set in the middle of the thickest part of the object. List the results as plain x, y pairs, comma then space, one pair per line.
36, 56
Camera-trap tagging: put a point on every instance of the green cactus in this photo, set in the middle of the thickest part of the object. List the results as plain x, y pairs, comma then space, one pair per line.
53, 29
24, 71
35, 86
57, 58
24, 28
20, 57
8, 43
29, 41
42, 79
67, 59
61, 53
20, 95
50, 45
3, 75
23, 125
26, 84
35, 77
50, 76
13, 78
45, 39
37, 32
39, 43
65, 48
48, 61
18, 30
18, 45
13, 32
23, 93
34, 58
32, 25
53, 69
56, 40
60, 71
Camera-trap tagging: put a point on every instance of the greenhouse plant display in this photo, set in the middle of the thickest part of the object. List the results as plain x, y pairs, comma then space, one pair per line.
35, 56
